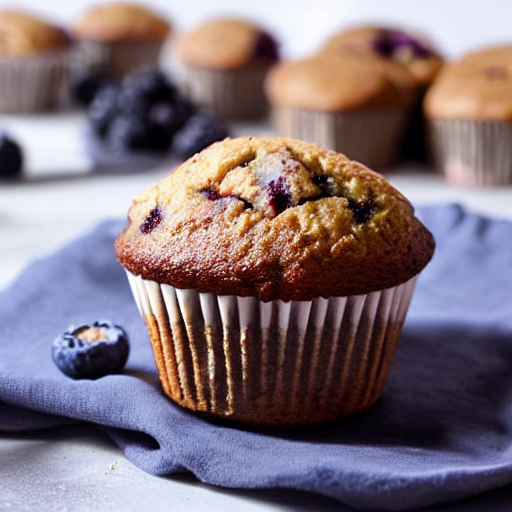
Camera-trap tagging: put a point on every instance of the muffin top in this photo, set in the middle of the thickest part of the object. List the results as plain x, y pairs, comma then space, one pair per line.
414, 52
24, 35
274, 218
478, 87
226, 44
332, 83
121, 22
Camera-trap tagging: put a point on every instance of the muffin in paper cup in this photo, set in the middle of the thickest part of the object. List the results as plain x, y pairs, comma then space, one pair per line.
222, 65
472, 153
34, 63
469, 112
359, 107
274, 277
120, 37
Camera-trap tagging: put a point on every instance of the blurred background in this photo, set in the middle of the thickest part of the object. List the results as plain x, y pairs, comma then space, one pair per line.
455, 26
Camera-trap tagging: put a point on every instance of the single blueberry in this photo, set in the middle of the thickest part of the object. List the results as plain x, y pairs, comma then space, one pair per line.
362, 210
266, 47
388, 42
103, 108
152, 220
197, 133
11, 157
91, 351
279, 196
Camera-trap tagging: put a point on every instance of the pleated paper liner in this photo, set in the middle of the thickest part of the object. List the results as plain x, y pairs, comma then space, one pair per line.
231, 94
33, 84
371, 137
472, 153
118, 58
272, 363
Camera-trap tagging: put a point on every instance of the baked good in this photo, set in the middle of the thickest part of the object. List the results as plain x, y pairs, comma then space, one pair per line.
34, 58
121, 36
223, 65
359, 107
469, 108
413, 51
274, 277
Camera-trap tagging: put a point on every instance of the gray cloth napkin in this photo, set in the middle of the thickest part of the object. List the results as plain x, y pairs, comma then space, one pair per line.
442, 430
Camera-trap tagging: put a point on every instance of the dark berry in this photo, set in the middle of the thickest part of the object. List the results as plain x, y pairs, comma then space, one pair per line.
211, 194
128, 133
144, 88
103, 109
266, 47
387, 43
91, 351
152, 220
279, 196
362, 211
85, 87
197, 133
11, 157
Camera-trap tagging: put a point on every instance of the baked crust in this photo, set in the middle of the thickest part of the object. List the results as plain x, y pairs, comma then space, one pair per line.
332, 83
24, 35
477, 87
222, 44
274, 218
121, 22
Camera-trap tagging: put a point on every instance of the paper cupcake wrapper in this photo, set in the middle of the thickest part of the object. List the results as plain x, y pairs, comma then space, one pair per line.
33, 84
118, 58
372, 138
230, 94
272, 363
472, 153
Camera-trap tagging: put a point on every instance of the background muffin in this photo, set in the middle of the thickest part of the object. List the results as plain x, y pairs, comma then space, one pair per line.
224, 63
121, 37
413, 51
34, 58
274, 277
359, 107
469, 108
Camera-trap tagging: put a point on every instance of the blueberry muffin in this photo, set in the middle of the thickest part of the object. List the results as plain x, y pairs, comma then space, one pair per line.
223, 64
359, 107
469, 108
274, 277
121, 37
413, 51
34, 59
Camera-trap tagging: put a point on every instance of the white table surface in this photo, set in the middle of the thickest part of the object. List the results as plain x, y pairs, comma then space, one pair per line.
79, 469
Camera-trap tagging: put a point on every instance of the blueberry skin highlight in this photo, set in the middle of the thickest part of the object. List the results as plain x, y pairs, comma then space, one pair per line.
91, 351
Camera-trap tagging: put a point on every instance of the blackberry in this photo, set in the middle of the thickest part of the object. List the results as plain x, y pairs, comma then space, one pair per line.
11, 157
91, 351
279, 196
85, 87
198, 132
103, 109
128, 132
387, 43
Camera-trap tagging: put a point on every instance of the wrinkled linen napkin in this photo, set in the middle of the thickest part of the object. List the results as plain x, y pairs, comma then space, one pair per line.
442, 430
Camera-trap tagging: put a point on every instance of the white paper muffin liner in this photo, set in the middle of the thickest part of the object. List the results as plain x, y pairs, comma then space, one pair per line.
472, 153
272, 363
231, 94
119, 58
372, 137
33, 84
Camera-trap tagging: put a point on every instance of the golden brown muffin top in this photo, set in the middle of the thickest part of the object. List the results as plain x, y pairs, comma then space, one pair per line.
274, 218
332, 83
23, 35
225, 44
412, 51
121, 22
478, 87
